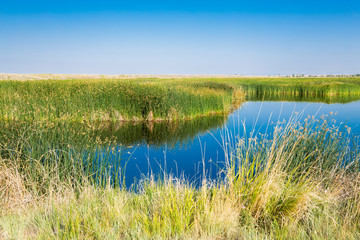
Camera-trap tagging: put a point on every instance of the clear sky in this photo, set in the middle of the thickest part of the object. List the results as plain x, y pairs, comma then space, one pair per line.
180, 37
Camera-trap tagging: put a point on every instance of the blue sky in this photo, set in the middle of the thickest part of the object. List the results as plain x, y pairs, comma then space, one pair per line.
180, 37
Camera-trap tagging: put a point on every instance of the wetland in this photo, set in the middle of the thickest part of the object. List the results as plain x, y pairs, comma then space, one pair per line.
178, 158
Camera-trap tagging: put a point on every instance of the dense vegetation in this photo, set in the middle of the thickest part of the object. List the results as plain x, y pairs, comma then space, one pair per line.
157, 99
61, 177
116, 100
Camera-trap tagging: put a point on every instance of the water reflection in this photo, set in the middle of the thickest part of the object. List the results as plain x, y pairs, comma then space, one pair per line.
172, 134
187, 148
205, 152
319, 98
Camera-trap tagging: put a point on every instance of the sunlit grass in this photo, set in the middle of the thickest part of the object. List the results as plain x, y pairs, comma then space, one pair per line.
157, 99
300, 182
116, 100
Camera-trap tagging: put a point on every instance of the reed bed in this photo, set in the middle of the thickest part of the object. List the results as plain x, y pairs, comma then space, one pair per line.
157, 99
301, 181
115, 100
306, 88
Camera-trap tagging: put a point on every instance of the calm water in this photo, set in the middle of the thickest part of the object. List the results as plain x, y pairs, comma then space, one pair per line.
186, 149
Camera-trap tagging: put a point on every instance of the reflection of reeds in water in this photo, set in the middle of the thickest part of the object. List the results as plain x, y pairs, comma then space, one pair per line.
38, 138
263, 96
305, 93
158, 133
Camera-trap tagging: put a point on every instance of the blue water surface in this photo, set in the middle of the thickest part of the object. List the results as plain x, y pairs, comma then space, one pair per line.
204, 154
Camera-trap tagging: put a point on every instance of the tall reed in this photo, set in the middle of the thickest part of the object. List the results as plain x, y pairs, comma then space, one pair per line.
158, 99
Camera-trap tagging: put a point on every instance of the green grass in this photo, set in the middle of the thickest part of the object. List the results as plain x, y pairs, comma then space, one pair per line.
116, 100
158, 99
323, 89
303, 182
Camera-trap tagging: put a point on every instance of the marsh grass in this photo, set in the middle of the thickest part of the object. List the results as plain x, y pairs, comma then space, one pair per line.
309, 89
60, 174
157, 99
115, 100
300, 182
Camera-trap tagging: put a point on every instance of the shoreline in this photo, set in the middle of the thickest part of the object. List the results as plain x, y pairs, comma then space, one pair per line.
45, 76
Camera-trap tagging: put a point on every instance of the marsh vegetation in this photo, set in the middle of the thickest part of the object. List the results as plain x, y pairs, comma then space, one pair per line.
157, 99
61, 177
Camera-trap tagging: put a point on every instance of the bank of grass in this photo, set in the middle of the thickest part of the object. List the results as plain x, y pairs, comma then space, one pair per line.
306, 87
118, 100
158, 99
302, 182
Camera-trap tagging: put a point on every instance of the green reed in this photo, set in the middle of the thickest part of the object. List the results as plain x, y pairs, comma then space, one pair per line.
157, 99
107, 100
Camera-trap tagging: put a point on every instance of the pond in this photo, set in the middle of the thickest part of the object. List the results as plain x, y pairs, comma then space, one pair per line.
193, 149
